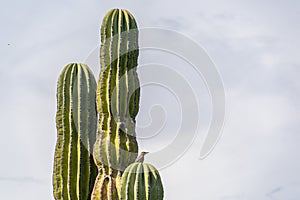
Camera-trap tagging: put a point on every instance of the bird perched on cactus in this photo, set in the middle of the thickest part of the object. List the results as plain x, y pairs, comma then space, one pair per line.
141, 157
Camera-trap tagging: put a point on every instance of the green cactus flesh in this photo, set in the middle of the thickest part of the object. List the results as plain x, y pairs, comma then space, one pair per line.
141, 181
74, 169
105, 188
118, 93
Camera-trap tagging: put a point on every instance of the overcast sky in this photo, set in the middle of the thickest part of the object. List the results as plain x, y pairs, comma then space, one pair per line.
255, 46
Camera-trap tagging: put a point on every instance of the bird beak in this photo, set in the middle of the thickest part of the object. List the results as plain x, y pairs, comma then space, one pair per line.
146, 152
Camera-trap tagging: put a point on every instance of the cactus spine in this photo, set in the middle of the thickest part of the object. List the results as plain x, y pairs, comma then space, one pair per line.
74, 169
141, 181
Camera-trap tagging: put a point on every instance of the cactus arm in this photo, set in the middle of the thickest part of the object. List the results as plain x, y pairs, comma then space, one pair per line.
141, 181
117, 99
76, 126
116, 145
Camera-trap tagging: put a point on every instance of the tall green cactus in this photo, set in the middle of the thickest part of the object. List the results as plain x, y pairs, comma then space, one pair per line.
114, 146
141, 181
117, 93
74, 169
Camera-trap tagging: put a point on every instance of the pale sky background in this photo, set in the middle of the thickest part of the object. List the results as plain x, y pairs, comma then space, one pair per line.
254, 44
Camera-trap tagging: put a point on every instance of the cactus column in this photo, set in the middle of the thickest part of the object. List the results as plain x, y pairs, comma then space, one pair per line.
141, 181
117, 97
74, 169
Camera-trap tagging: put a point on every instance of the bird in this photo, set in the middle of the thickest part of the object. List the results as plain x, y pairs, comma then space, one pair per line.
141, 157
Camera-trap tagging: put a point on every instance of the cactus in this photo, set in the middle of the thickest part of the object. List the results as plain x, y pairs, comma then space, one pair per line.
74, 168
114, 146
141, 181
105, 188
117, 93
